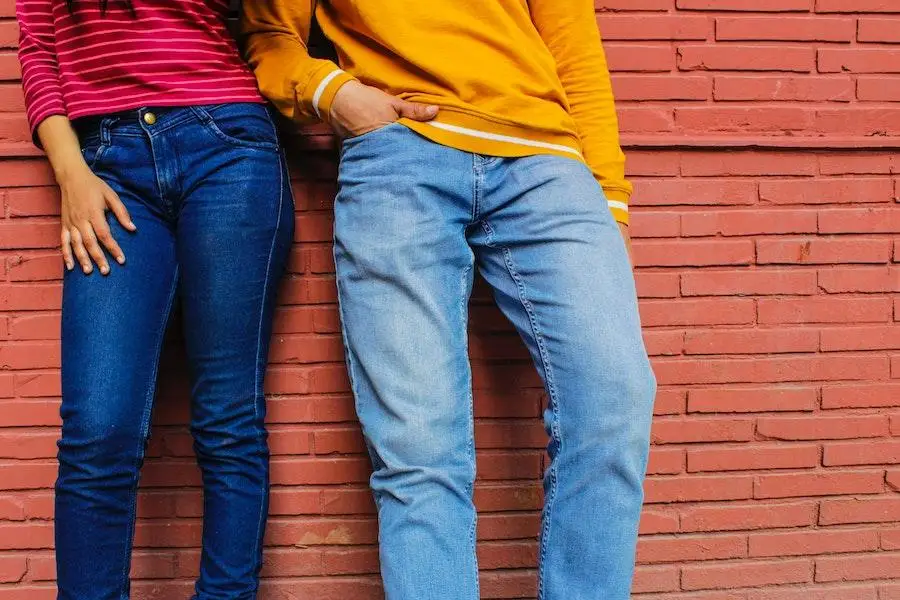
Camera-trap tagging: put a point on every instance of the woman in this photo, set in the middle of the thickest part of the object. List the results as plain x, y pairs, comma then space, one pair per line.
173, 186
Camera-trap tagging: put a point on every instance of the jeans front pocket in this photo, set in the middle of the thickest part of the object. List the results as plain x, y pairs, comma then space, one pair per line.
243, 125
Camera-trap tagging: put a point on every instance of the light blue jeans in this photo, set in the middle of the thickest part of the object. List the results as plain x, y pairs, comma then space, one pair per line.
413, 220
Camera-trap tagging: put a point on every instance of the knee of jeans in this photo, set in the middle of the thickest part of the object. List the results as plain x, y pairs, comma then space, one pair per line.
622, 417
419, 455
96, 444
230, 439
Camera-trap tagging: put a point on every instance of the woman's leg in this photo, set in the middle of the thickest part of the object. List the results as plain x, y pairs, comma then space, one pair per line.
112, 329
234, 233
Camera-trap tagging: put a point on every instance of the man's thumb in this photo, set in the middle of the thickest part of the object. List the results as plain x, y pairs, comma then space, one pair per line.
415, 111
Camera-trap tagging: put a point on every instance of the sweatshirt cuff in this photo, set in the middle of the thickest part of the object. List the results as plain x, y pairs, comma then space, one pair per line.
618, 204
322, 87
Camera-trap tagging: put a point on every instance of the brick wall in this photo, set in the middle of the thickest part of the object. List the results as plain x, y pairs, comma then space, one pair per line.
762, 137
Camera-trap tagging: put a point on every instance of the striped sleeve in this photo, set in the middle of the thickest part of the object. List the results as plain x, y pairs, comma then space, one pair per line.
37, 55
276, 36
569, 29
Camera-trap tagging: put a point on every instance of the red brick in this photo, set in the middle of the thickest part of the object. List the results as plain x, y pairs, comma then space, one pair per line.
841, 592
629, 5
826, 191
858, 60
878, 30
691, 548
783, 88
859, 510
653, 521
654, 27
705, 120
831, 483
860, 220
823, 251
746, 5
813, 542
861, 395
697, 312
757, 282
12, 568
657, 285
646, 58
842, 163
684, 253
661, 87
653, 579
746, 58
748, 222
861, 338
878, 89
698, 488
711, 576
857, 568
867, 280
746, 164
748, 400
869, 452
645, 119
889, 591
673, 192
669, 402
781, 29
822, 428
678, 431
663, 343
736, 517
824, 310
858, 121
854, 6
770, 370
890, 539
750, 341
655, 225
752, 458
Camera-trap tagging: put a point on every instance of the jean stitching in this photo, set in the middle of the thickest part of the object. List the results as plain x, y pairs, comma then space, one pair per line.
470, 488
259, 343
551, 390
145, 428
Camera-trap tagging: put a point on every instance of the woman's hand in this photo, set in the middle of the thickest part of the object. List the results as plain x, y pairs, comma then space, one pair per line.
359, 109
85, 200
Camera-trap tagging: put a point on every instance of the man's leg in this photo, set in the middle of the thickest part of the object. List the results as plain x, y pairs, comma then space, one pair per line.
404, 276
555, 258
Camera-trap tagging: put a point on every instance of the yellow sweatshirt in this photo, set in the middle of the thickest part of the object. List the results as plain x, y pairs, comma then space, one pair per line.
512, 77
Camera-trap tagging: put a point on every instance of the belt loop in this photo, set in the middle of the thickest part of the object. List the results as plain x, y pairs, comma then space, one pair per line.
201, 114
105, 126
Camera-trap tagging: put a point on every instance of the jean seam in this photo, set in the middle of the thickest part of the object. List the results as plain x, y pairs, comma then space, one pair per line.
259, 345
145, 429
551, 390
470, 488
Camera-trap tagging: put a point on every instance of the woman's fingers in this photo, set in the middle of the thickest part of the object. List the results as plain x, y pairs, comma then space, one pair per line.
89, 238
104, 236
65, 240
80, 253
118, 208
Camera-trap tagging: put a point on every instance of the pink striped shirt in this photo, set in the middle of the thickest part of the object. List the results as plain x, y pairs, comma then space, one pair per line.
84, 63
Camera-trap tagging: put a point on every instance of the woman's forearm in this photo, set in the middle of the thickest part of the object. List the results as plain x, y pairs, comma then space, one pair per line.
61, 145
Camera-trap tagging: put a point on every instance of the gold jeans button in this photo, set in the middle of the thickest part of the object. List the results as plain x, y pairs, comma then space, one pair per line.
149, 118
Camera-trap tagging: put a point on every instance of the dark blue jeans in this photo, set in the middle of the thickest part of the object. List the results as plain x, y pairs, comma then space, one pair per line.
208, 190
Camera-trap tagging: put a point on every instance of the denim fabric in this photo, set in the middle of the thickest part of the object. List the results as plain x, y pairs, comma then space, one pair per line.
413, 221
208, 190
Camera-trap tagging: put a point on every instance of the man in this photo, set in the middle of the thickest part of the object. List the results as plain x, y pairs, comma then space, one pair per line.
477, 133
